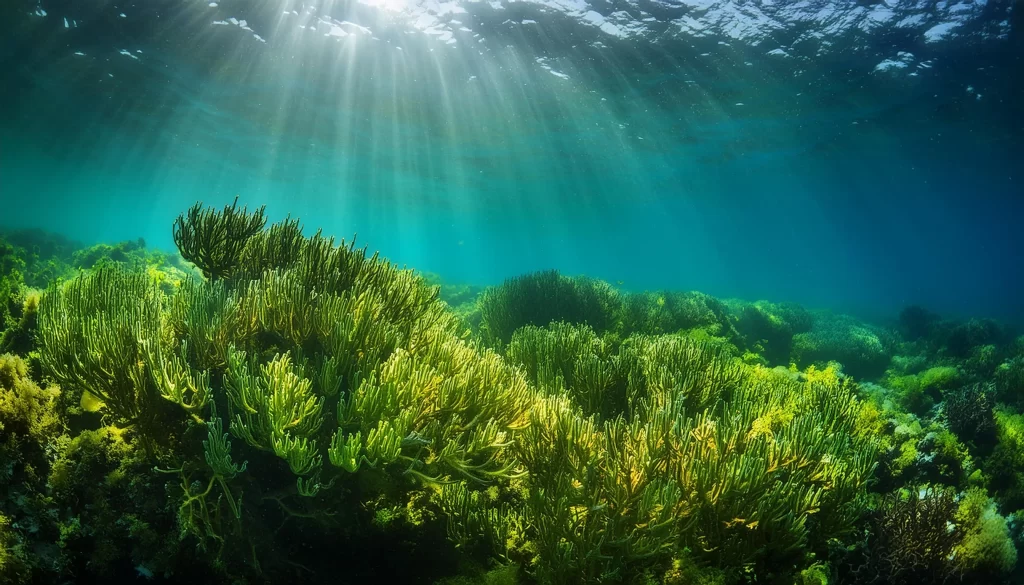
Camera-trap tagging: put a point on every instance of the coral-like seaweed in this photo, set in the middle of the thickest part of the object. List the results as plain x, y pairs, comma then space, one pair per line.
740, 465
543, 297
913, 539
213, 240
969, 413
573, 359
604, 438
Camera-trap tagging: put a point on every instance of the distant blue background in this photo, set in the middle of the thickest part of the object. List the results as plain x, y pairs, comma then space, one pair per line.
858, 192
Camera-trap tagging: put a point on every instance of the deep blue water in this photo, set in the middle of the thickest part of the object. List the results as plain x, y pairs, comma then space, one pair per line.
853, 155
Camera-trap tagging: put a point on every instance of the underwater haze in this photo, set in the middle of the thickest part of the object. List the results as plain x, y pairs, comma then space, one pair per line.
855, 155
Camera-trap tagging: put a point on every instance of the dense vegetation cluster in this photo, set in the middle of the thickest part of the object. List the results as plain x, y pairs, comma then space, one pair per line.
276, 406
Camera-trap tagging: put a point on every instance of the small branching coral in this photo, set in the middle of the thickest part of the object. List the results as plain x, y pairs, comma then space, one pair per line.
969, 413
913, 539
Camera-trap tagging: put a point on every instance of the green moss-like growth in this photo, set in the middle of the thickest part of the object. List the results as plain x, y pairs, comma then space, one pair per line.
26, 410
816, 574
837, 337
986, 548
983, 360
918, 393
502, 575
128, 252
1005, 466
46, 257
112, 511
30, 428
22, 320
963, 338
15, 566
909, 394
543, 297
1009, 381
684, 571
948, 459
939, 379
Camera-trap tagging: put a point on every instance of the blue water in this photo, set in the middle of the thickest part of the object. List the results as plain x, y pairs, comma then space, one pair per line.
860, 156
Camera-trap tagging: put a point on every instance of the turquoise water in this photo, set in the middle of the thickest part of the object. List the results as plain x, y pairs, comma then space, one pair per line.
859, 156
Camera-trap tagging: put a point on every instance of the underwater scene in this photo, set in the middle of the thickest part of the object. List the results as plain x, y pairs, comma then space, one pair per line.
512, 292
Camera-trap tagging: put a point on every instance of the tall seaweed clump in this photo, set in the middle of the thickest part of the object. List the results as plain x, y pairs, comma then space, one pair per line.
301, 384
669, 455
542, 297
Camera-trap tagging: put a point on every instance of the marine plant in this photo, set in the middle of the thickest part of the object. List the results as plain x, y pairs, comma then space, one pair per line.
102, 332
127, 252
30, 427
572, 359
124, 516
918, 393
1009, 381
913, 538
971, 334
18, 315
840, 338
657, 313
45, 256
1005, 466
768, 328
303, 399
743, 466
968, 411
542, 297
933, 535
15, 565
213, 240
986, 551
330, 366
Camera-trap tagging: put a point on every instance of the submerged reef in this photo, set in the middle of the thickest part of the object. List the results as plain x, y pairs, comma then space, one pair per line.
270, 406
